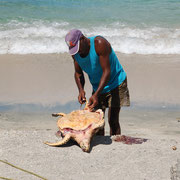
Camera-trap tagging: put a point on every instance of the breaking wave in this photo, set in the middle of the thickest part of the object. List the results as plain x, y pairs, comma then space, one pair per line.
43, 37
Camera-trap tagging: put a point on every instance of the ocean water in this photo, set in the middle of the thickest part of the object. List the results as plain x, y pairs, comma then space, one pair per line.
131, 26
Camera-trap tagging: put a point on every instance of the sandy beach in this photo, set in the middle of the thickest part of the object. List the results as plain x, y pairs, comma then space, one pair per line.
34, 86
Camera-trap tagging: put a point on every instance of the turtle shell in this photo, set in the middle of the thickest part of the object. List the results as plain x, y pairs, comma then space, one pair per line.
81, 119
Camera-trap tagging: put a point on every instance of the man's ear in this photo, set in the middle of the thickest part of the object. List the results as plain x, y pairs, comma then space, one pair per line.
83, 37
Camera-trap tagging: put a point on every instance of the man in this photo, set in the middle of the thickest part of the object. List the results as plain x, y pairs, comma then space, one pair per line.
95, 56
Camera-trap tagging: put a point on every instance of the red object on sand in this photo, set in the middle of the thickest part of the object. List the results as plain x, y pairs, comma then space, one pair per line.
128, 140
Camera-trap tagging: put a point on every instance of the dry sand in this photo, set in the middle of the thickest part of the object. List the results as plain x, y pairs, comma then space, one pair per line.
34, 86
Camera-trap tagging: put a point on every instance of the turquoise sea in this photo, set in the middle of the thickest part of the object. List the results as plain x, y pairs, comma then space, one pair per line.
131, 26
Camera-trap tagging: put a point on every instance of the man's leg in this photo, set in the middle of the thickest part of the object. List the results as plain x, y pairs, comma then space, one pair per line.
100, 132
113, 119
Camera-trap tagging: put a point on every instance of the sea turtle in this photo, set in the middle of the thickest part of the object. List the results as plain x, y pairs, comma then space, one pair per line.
79, 125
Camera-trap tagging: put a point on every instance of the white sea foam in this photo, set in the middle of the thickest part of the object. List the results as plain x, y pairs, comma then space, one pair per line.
39, 37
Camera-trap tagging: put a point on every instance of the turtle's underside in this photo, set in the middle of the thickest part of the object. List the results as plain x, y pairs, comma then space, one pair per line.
79, 125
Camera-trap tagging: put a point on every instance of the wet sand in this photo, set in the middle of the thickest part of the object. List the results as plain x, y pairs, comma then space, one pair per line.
48, 79
34, 86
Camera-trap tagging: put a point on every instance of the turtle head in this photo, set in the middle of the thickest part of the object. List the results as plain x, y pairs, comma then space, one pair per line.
85, 145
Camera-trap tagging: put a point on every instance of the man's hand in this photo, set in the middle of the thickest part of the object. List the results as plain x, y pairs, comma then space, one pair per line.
81, 97
93, 102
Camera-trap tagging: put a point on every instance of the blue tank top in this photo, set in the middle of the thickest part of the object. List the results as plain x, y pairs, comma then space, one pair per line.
90, 64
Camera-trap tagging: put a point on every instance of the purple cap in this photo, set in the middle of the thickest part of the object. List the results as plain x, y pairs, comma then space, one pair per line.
72, 40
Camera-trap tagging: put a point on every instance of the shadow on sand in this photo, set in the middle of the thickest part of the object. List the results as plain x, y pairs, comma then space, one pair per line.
96, 140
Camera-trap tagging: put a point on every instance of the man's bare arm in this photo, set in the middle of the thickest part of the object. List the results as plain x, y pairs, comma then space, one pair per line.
80, 81
103, 50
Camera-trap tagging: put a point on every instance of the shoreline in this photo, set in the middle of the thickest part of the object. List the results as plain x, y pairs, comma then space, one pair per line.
48, 79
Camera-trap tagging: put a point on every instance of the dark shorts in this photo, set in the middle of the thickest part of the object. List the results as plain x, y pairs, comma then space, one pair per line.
117, 97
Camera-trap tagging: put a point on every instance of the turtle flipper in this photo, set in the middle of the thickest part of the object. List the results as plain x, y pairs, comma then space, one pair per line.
58, 114
63, 141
